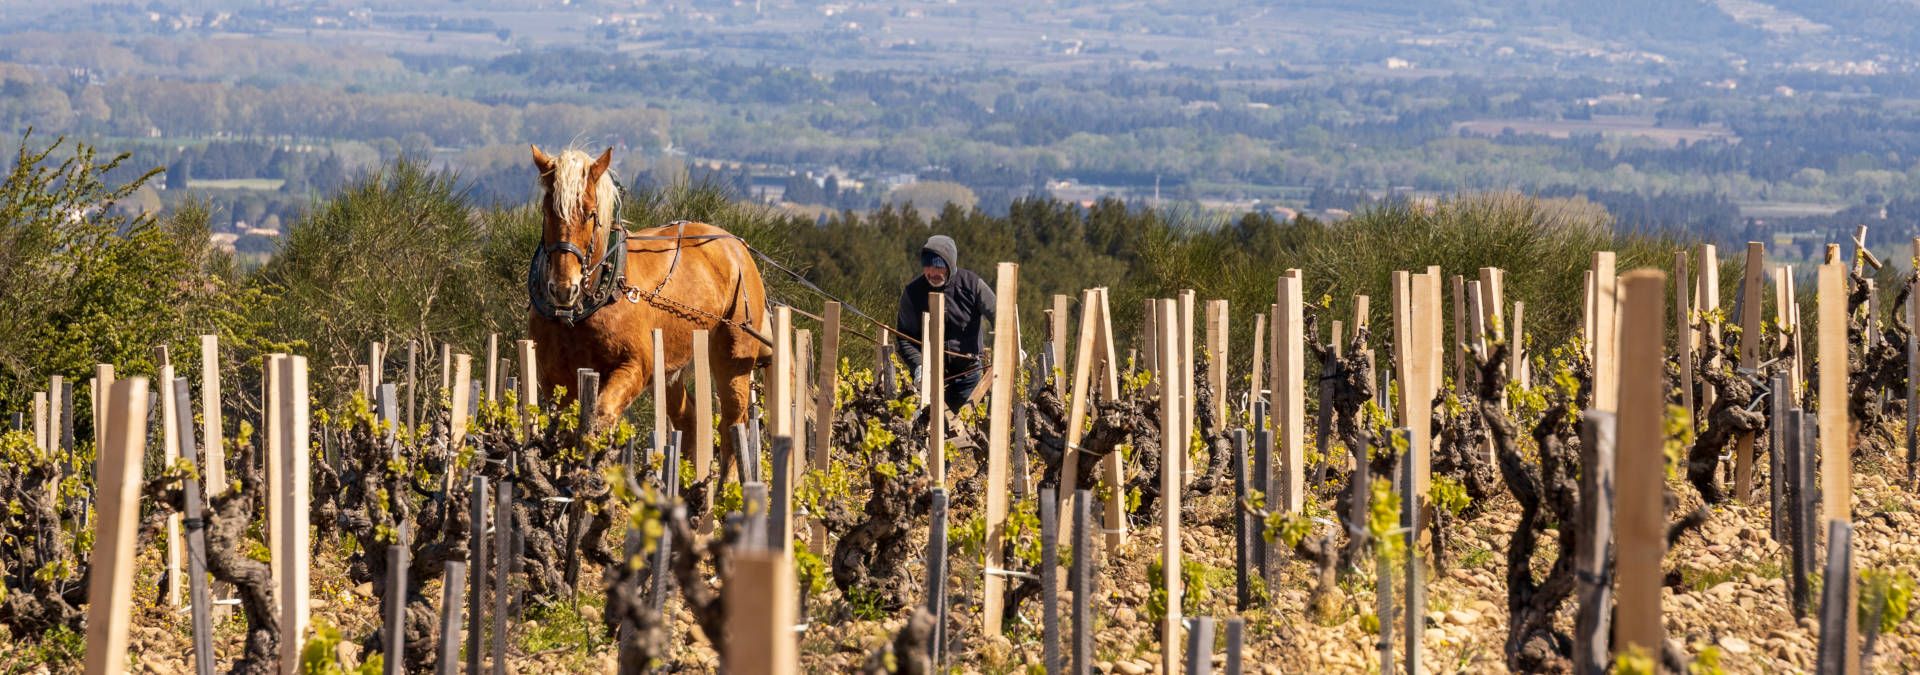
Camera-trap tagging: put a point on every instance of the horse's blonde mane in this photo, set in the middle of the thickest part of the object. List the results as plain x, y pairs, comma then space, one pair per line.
570, 182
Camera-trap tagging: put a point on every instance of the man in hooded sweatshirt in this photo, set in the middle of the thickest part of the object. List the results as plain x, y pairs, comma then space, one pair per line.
969, 306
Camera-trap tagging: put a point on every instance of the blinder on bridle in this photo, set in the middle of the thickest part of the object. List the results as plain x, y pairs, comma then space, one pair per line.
600, 279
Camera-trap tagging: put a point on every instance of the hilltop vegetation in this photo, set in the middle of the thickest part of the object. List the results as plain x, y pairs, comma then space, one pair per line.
402, 253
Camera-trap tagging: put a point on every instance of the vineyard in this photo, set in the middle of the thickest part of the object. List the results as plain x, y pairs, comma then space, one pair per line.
1686, 486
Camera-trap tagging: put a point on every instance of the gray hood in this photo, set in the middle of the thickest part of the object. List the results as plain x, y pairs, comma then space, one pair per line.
943, 246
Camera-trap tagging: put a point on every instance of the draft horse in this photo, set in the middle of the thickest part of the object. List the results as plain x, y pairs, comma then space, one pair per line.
597, 292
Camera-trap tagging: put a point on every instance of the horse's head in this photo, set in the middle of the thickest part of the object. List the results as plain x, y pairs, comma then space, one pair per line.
578, 206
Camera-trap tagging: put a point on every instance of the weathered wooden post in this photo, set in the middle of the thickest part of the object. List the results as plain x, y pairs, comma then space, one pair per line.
659, 383
1682, 338
1913, 378
1049, 582
1799, 526
40, 427
451, 611
802, 401
1412, 502
1592, 618
1081, 578
503, 524
1200, 646
110, 581
273, 422
937, 573
1006, 347
662, 553
1057, 334
1235, 628
413, 384
1246, 525
295, 505
1839, 617
1493, 299
1778, 405
1459, 343
1750, 342
197, 592
376, 365
477, 570
1640, 459
394, 611
1172, 399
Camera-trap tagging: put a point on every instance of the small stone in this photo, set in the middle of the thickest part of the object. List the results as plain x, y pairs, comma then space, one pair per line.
1125, 615
1463, 617
364, 590
1131, 667
1103, 666
1734, 645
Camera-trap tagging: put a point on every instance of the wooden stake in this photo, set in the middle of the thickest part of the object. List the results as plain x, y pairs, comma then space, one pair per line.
1682, 340
197, 593
1200, 646
1594, 614
1913, 378
1111, 471
477, 581
1081, 578
462, 392
1057, 333
829, 385
1493, 299
659, 358
937, 572
1217, 363
529, 382
1289, 398
110, 581
1641, 461
1707, 301
1258, 382
295, 505
1049, 582
376, 362
1517, 368
1836, 463
504, 563
1459, 343
1606, 333
451, 611
272, 431
1006, 345
170, 444
1172, 447
1077, 410
703, 412
934, 362
1750, 341
214, 431
1411, 504
1185, 373
394, 612
1839, 613
493, 367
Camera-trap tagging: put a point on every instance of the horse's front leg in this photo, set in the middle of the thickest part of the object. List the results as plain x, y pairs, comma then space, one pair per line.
618, 388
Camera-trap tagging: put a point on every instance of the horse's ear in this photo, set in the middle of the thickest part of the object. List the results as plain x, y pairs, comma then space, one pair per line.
600, 166
542, 161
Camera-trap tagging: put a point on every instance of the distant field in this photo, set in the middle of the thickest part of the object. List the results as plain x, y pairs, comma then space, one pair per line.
268, 184
1787, 209
1619, 126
